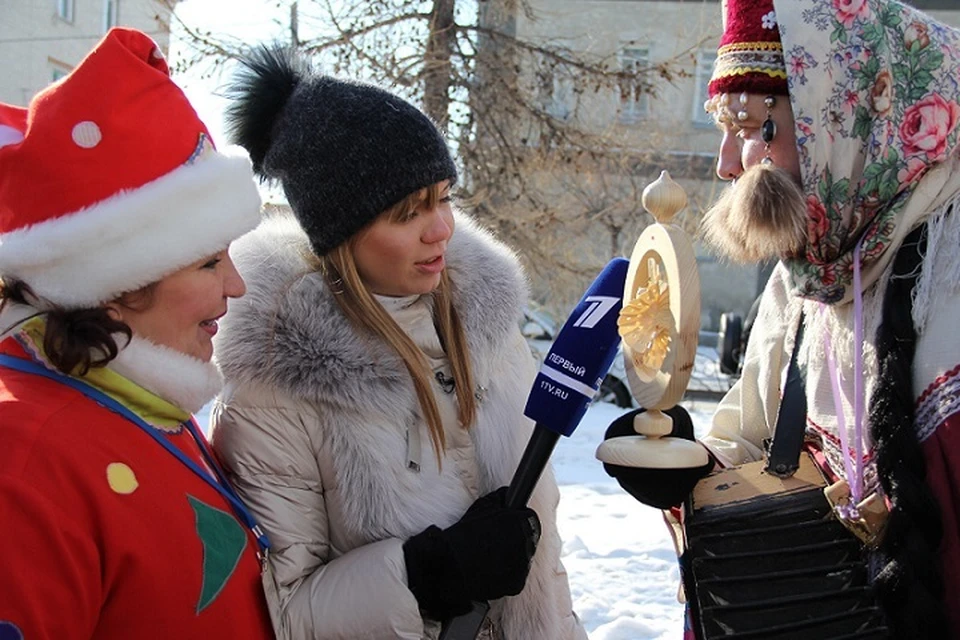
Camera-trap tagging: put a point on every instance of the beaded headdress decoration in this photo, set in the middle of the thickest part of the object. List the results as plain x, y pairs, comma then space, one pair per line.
749, 61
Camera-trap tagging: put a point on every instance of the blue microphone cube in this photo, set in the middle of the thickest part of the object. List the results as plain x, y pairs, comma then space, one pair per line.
581, 355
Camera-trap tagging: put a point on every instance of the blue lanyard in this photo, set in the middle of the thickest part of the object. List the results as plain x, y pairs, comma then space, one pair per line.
222, 487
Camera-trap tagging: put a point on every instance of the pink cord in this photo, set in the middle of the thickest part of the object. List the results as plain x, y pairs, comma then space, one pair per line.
853, 471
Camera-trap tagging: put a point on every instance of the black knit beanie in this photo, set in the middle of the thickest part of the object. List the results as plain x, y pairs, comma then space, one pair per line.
343, 151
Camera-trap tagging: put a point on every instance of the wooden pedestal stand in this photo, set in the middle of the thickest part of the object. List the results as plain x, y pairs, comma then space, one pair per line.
660, 325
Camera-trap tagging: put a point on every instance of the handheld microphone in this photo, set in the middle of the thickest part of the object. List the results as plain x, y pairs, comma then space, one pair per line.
570, 375
569, 378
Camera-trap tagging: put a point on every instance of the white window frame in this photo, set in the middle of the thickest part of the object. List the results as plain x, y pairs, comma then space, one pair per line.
704, 70
65, 10
562, 100
633, 108
58, 70
111, 14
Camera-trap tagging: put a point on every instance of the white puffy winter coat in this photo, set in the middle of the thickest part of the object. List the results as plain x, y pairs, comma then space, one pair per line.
321, 431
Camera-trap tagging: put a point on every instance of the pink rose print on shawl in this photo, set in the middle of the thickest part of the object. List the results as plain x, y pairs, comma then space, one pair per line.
917, 32
828, 275
926, 126
850, 10
881, 94
823, 274
912, 172
817, 222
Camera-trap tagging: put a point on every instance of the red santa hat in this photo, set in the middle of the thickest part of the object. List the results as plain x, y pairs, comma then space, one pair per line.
109, 181
13, 123
750, 57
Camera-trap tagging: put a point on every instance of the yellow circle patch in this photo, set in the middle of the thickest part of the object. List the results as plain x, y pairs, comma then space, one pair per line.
121, 478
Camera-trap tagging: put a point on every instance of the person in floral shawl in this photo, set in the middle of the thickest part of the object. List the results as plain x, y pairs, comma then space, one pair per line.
840, 141
853, 190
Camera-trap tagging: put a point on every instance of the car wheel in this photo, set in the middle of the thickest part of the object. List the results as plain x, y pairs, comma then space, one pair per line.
729, 343
613, 390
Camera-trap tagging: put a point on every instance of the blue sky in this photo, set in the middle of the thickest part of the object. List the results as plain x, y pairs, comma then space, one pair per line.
246, 20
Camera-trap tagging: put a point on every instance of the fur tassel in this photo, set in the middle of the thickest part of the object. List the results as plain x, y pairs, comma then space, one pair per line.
268, 76
763, 216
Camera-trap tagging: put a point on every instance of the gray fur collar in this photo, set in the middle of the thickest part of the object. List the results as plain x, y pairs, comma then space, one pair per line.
288, 331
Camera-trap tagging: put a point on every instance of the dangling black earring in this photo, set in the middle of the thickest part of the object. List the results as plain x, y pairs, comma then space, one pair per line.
768, 129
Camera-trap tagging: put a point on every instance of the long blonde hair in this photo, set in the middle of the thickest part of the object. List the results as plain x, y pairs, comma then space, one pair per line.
363, 310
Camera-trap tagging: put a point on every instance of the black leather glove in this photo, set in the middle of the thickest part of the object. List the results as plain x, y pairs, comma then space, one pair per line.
483, 556
660, 488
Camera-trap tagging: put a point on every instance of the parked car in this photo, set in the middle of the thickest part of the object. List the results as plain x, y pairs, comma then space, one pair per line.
732, 338
540, 329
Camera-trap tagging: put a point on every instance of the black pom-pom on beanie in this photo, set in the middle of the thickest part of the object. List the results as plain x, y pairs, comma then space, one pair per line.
343, 151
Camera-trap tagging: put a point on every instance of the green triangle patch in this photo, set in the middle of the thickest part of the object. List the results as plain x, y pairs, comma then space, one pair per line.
223, 543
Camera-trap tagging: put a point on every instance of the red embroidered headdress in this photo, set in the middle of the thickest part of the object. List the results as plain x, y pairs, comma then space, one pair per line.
750, 57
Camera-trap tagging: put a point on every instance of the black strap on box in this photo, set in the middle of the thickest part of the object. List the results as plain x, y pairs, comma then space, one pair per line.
783, 454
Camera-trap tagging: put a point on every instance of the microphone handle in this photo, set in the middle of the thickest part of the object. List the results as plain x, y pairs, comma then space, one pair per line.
531, 466
466, 626
532, 463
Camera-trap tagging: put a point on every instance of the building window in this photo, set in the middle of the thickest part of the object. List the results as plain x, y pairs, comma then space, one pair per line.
557, 93
634, 99
705, 60
65, 10
111, 14
57, 70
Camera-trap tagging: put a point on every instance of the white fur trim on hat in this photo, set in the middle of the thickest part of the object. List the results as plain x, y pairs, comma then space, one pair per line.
136, 237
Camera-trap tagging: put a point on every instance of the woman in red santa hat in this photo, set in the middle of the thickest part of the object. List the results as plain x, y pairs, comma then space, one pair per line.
841, 140
116, 213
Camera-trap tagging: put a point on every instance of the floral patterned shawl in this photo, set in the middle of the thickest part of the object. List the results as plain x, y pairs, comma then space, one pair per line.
875, 91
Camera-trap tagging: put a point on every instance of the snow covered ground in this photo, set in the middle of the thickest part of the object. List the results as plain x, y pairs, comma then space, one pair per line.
618, 553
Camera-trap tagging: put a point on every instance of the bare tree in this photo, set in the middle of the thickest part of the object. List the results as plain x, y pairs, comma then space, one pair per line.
559, 189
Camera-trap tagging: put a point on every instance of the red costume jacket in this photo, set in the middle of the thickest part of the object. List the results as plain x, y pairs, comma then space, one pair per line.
106, 534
